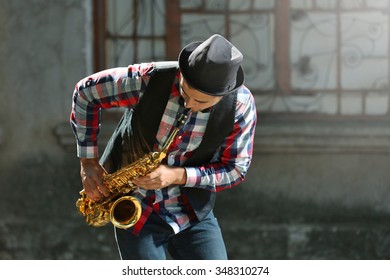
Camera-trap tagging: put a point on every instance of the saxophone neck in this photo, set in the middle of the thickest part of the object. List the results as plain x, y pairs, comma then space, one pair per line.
180, 121
169, 141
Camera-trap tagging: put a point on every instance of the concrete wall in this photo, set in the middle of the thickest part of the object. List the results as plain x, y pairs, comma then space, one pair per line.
42, 56
316, 190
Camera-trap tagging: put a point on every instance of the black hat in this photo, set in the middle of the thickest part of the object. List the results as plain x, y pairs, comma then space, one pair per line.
213, 66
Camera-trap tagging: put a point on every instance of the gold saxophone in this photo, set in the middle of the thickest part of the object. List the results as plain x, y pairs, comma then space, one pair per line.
120, 208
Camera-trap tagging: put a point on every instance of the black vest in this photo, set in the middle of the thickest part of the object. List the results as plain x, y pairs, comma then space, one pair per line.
147, 117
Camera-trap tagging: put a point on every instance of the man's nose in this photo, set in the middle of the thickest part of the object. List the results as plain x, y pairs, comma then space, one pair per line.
188, 103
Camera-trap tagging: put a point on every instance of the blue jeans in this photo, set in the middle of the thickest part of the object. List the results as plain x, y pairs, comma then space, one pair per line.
202, 241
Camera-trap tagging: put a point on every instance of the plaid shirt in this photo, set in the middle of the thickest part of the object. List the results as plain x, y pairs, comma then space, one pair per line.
123, 87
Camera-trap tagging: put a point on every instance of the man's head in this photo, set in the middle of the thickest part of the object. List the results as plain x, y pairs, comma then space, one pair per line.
212, 67
195, 99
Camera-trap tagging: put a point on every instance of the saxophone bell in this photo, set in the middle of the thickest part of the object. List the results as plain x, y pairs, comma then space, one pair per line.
125, 212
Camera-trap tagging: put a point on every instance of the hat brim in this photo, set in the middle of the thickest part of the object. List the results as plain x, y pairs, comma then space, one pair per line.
184, 69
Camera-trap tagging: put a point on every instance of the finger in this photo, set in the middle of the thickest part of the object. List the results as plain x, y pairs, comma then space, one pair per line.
93, 193
97, 181
151, 175
104, 191
92, 190
147, 178
103, 188
156, 185
140, 181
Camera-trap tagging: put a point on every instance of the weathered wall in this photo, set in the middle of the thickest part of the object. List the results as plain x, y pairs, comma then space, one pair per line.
43, 56
314, 191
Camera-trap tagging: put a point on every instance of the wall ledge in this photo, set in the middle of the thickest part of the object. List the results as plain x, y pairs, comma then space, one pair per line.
286, 136
319, 136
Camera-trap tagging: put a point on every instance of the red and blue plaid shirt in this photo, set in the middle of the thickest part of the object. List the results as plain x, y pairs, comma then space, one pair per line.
123, 87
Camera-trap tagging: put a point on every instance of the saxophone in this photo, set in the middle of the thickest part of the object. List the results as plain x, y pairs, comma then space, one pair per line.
120, 208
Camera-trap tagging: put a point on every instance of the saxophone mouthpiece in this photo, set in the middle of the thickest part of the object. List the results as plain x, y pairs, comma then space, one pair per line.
182, 118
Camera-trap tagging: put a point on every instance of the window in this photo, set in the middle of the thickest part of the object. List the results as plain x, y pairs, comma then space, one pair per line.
321, 57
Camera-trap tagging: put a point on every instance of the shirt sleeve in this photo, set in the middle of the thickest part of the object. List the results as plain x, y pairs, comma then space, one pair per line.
116, 87
233, 159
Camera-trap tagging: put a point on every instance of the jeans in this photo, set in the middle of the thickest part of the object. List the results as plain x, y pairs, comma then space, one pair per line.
203, 241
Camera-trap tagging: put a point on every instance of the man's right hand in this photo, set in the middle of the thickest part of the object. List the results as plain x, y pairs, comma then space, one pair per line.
91, 173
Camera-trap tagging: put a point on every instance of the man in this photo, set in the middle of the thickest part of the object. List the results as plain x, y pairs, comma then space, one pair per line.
211, 152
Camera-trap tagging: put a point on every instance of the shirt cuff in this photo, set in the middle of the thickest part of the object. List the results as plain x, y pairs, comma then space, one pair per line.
193, 177
87, 151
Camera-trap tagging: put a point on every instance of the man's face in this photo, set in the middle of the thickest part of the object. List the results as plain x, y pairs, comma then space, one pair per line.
194, 99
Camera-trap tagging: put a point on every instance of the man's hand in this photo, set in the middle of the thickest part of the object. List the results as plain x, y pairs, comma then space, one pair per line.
162, 177
91, 173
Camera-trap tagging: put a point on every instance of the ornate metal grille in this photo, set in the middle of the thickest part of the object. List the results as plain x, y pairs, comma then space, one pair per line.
338, 59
